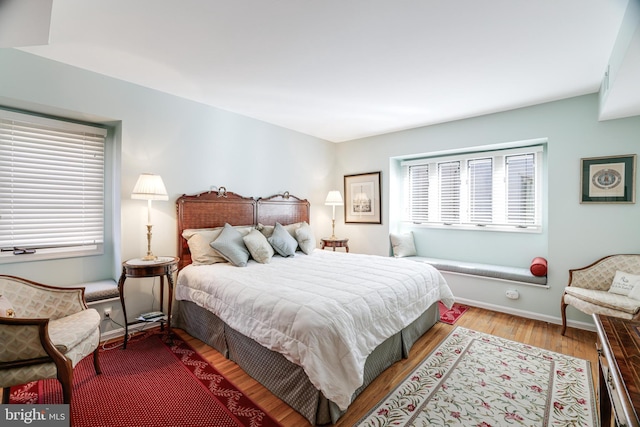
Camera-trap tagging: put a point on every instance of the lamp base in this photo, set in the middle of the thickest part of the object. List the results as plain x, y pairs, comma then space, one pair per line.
150, 256
333, 230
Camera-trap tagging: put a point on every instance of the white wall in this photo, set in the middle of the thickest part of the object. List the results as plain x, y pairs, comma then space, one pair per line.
574, 234
192, 146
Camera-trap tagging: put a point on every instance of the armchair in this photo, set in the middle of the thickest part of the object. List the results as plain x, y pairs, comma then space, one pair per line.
588, 289
53, 329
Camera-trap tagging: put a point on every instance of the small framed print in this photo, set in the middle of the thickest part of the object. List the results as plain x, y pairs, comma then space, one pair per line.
608, 179
362, 198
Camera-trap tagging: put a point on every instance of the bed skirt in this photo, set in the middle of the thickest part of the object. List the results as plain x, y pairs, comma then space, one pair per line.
285, 379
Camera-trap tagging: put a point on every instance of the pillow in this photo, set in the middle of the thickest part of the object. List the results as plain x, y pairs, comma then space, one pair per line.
200, 247
538, 267
6, 309
635, 293
258, 246
267, 230
282, 241
187, 233
199, 240
231, 246
623, 283
306, 239
403, 244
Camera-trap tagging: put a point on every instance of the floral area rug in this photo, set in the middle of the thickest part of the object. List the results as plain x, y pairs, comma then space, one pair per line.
477, 379
450, 316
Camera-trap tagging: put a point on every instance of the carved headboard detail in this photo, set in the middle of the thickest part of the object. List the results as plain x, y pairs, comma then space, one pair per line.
282, 208
215, 208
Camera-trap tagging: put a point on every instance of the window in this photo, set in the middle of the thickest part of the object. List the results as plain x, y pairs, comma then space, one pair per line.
51, 187
499, 190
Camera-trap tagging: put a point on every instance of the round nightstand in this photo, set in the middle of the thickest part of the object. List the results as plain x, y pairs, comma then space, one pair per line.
137, 267
334, 243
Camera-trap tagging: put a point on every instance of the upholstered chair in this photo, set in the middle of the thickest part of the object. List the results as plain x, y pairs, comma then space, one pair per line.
593, 289
51, 330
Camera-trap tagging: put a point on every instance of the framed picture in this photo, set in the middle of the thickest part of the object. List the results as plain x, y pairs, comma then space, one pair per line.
362, 198
608, 179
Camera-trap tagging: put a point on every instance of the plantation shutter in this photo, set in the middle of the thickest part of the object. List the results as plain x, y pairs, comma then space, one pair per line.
51, 183
449, 179
521, 197
480, 176
418, 178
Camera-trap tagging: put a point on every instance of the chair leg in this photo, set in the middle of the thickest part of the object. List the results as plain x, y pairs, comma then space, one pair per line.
65, 376
5, 395
96, 362
563, 311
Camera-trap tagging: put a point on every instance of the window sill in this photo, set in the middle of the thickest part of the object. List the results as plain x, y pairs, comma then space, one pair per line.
470, 227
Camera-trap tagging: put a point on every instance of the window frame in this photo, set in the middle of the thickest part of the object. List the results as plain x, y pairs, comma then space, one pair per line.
499, 197
59, 251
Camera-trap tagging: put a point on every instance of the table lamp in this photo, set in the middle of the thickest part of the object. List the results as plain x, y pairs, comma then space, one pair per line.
149, 187
333, 199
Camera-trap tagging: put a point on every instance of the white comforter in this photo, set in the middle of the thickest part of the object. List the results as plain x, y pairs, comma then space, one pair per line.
325, 311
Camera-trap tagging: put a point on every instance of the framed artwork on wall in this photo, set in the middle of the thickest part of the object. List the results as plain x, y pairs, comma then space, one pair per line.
608, 179
362, 198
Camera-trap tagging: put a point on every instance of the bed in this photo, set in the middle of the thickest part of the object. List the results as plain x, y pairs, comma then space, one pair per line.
296, 315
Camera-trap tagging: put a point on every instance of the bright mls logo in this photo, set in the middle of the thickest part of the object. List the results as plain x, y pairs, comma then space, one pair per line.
35, 415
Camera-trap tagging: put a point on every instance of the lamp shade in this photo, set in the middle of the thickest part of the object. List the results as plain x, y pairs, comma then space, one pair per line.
334, 198
149, 187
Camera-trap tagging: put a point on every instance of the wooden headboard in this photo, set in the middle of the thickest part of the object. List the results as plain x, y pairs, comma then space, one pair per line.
282, 208
215, 208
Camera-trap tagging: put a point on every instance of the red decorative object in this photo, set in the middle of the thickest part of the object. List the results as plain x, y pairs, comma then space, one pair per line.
153, 384
450, 316
538, 266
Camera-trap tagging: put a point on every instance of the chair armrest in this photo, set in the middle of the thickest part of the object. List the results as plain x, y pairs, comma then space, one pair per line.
26, 342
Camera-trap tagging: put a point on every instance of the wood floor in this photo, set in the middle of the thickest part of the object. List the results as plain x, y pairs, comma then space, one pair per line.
576, 342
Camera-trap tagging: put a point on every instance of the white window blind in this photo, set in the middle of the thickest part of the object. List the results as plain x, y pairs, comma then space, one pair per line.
480, 178
418, 188
521, 189
51, 185
449, 180
494, 189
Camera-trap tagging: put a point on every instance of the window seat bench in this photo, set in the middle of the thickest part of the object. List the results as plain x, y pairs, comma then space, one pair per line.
512, 274
100, 291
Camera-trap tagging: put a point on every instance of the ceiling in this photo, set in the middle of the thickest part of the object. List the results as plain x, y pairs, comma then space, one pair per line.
346, 69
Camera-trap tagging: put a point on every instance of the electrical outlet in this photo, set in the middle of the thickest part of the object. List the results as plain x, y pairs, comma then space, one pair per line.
512, 294
107, 313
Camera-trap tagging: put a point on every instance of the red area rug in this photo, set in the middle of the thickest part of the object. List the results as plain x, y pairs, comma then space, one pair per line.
451, 316
149, 384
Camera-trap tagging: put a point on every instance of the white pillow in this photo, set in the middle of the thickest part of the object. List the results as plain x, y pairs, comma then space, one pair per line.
267, 230
306, 239
199, 241
403, 244
201, 251
258, 246
623, 283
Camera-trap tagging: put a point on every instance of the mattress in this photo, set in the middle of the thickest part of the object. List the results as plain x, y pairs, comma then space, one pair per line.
325, 312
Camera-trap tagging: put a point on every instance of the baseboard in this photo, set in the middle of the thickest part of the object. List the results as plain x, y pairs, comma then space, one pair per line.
527, 314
